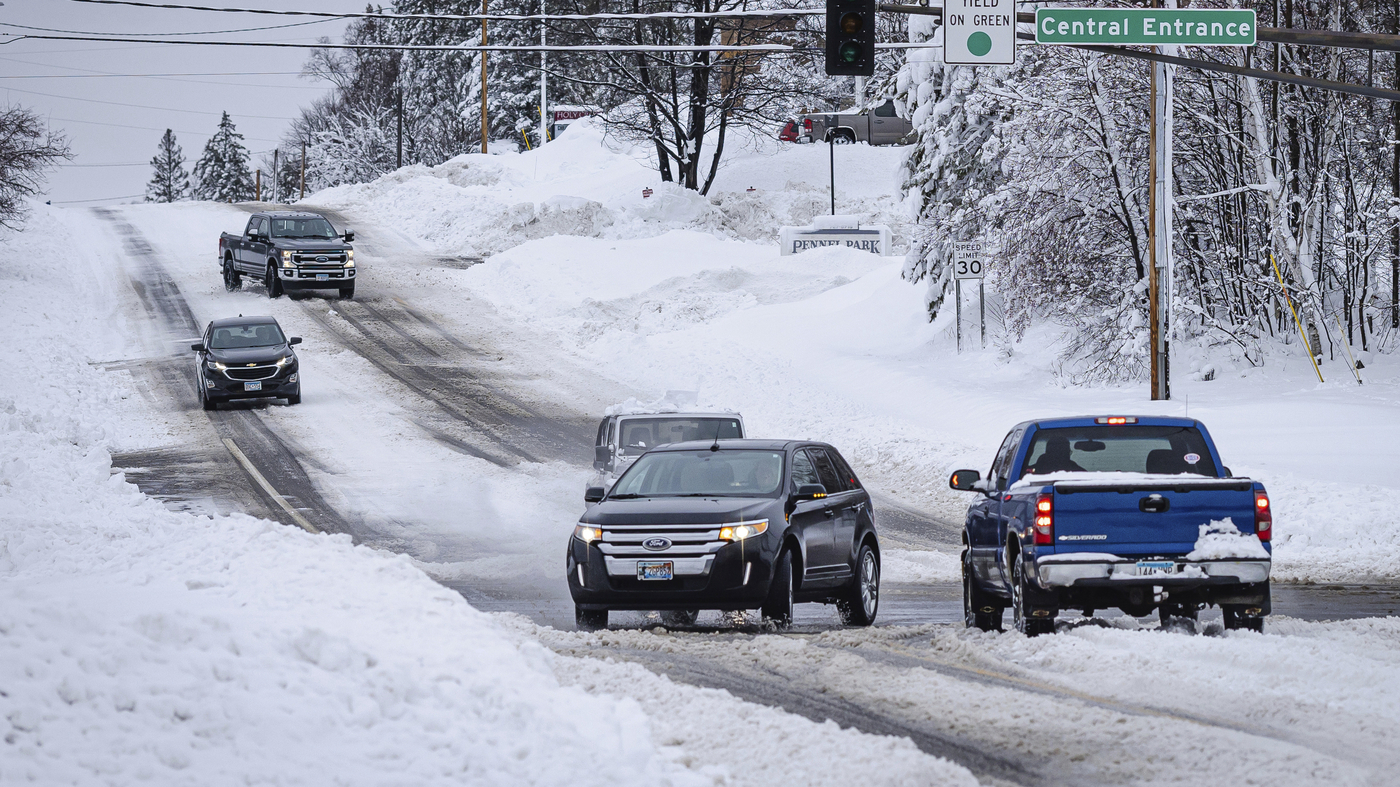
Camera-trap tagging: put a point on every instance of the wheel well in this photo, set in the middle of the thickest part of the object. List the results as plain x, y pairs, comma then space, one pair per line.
791, 545
873, 542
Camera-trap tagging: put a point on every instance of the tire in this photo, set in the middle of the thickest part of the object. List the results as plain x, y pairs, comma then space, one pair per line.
976, 601
843, 139
232, 280
294, 399
590, 619
1235, 619
274, 285
346, 293
861, 604
1031, 627
206, 402
673, 618
1166, 612
778, 606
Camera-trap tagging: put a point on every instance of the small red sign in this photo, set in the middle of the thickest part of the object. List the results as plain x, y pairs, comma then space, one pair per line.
646, 193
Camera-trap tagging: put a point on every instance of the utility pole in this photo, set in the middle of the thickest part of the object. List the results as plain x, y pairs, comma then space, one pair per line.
398, 150
303, 172
1395, 183
276, 174
484, 125
1159, 225
258, 178
543, 80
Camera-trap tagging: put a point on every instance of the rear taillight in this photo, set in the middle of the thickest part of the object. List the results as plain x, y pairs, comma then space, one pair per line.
1263, 516
806, 124
1045, 520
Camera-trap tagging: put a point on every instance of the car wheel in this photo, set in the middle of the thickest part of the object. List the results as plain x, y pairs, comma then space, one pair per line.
590, 619
1236, 619
843, 139
679, 617
863, 601
232, 281
346, 293
294, 398
1031, 627
274, 285
206, 402
1166, 612
980, 609
778, 606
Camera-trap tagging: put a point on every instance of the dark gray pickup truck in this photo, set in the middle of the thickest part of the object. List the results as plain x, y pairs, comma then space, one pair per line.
289, 251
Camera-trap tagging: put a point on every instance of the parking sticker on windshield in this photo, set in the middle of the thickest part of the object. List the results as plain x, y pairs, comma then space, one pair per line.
1192, 459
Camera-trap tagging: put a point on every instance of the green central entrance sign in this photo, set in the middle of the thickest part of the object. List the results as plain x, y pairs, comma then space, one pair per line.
1144, 26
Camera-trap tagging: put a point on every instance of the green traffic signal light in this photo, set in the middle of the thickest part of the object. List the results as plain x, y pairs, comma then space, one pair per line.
851, 51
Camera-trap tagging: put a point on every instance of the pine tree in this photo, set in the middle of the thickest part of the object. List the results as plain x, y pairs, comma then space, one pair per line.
222, 173
169, 180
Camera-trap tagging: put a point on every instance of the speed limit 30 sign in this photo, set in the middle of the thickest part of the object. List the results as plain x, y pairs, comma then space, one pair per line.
968, 262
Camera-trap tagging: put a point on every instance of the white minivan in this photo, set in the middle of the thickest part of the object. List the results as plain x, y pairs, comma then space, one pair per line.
623, 438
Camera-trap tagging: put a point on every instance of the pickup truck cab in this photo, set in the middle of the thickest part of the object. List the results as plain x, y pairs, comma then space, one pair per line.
879, 126
1132, 512
289, 251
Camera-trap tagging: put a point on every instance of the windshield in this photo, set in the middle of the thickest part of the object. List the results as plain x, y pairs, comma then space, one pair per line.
723, 473
641, 434
1124, 449
237, 336
303, 228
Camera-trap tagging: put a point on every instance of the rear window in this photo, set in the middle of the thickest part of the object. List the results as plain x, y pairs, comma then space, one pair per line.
1170, 450
642, 434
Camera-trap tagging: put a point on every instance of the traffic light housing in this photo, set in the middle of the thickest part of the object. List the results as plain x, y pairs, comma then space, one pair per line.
850, 38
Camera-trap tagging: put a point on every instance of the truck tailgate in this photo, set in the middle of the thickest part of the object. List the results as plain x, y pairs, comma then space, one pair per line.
1147, 518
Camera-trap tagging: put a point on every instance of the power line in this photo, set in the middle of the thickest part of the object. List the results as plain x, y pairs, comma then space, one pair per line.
435, 47
176, 74
148, 128
133, 164
756, 14
134, 106
95, 199
191, 33
163, 77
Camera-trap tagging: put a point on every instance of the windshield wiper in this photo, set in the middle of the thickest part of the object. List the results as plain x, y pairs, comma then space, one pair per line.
626, 497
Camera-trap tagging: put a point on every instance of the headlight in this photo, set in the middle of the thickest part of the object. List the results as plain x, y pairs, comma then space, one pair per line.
286, 361
350, 258
287, 260
742, 530
587, 534
216, 366
286, 255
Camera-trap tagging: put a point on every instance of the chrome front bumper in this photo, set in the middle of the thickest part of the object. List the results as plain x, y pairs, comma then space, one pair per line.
680, 566
1054, 572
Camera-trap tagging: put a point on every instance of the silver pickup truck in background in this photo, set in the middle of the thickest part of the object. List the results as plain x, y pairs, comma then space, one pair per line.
879, 126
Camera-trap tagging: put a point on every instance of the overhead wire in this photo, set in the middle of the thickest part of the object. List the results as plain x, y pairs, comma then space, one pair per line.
191, 33
134, 106
737, 14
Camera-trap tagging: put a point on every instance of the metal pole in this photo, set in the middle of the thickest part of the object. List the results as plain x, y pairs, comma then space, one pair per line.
957, 298
860, 92
544, 83
398, 148
982, 307
831, 144
484, 125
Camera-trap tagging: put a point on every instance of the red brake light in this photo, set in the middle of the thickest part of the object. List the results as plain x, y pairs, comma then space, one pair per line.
1263, 516
1045, 520
1116, 419
806, 124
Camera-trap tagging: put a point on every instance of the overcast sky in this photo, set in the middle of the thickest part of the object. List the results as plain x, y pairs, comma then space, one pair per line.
114, 102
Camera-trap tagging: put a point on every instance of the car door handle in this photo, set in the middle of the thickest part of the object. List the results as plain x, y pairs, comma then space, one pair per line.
829, 511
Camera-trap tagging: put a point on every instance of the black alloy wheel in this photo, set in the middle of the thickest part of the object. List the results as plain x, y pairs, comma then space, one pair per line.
1024, 623
673, 618
274, 285
777, 608
590, 619
232, 281
976, 602
862, 601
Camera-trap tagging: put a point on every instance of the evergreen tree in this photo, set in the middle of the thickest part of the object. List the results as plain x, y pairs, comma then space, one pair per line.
222, 173
169, 180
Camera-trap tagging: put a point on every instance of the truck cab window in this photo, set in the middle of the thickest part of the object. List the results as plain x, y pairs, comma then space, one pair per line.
885, 110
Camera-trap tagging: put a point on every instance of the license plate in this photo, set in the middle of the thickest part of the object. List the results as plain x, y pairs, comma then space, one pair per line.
252, 386
1147, 568
654, 569
323, 276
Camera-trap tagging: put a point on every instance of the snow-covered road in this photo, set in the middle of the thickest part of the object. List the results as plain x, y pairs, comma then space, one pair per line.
444, 431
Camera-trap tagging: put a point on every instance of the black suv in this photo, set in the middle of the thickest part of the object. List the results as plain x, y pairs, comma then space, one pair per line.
247, 358
729, 525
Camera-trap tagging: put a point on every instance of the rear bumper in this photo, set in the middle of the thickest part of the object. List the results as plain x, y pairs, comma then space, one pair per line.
1054, 573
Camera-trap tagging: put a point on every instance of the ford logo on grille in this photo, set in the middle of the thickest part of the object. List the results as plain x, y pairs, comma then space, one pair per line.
657, 544
323, 258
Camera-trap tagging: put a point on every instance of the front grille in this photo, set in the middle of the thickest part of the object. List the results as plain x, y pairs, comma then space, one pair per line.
314, 257
686, 540
251, 372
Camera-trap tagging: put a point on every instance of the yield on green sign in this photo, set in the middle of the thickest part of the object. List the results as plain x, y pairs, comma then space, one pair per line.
979, 32
1145, 26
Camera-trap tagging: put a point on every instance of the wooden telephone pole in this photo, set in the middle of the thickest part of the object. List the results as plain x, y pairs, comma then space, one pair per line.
1159, 225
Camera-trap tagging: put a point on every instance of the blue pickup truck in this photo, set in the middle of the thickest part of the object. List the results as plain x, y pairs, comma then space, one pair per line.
1132, 512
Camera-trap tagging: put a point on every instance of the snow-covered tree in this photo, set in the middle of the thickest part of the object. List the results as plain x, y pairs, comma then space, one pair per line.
222, 173
170, 181
27, 150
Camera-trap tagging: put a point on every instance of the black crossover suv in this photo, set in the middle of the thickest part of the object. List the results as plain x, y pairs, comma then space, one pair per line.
246, 358
729, 525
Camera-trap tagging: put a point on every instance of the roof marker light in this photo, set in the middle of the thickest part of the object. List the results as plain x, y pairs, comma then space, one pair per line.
1115, 419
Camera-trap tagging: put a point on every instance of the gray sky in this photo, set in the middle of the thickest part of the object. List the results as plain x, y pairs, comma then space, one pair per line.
68, 81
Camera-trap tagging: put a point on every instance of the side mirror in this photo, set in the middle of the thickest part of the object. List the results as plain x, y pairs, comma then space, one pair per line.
199, 348
602, 454
294, 340
1228, 473
810, 492
349, 236
964, 480
593, 494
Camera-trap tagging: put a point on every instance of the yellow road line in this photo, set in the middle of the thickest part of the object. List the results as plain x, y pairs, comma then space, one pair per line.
267, 487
